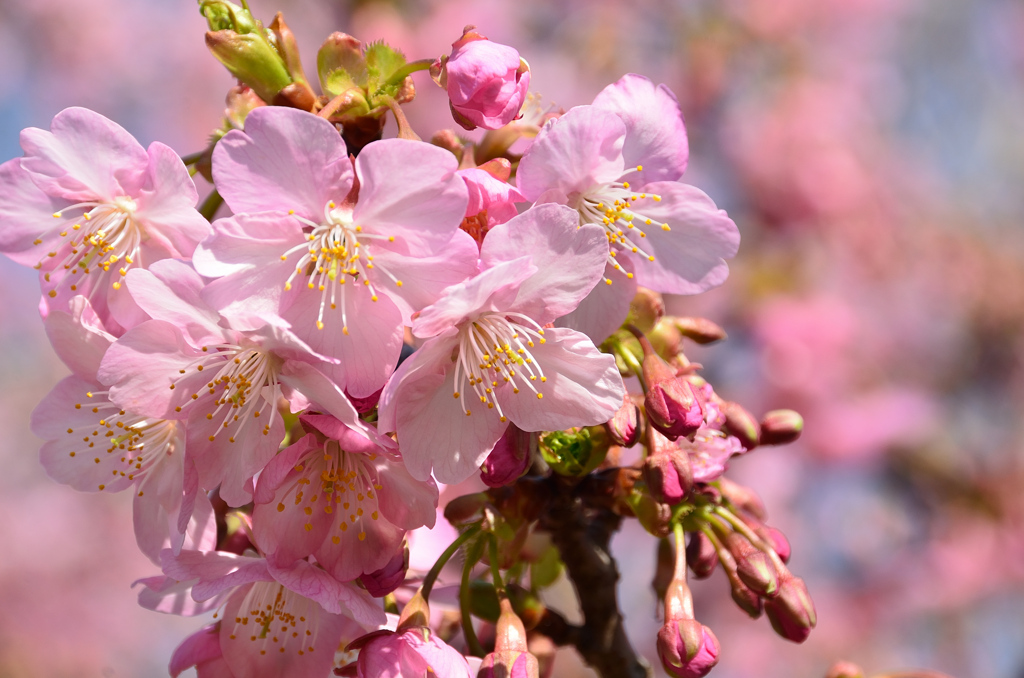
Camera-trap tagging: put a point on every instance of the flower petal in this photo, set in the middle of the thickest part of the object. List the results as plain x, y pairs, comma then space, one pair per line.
27, 215
603, 310
166, 204
343, 598
78, 337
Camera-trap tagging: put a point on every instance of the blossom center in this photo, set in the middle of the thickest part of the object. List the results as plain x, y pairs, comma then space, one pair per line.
277, 620
243, 387
614, 207
494, 351
133, 444
337, 251
105, 235
338, 481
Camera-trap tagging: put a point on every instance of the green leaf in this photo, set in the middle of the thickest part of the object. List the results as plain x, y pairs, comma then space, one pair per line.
381, 63
545, 571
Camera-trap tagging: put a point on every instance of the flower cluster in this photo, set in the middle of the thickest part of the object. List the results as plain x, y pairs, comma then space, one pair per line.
250, 377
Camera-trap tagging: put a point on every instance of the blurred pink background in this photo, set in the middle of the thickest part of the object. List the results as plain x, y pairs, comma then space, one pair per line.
872, 153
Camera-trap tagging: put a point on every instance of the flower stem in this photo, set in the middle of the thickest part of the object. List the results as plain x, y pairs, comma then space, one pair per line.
472, 642
404, 72
211, 205
680, 568
499, 585
405, 130
435, 571
192, 158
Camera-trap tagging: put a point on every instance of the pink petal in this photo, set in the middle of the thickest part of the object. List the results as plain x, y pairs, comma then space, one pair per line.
170, 596
425, 278
286, 159
583, 386
202, 647
84, 156
352, 557
216, 571
78, 337
690, 258
487, 192
603, 310
248, 241
405, 501
441, 658
573, 153
320, 390
166, 204
157, 503
409, 190
188, 312
570, 258
333, 596
27, 214
655, 134
494, 289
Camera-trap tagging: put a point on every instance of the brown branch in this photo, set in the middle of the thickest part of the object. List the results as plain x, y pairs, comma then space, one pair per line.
582, 536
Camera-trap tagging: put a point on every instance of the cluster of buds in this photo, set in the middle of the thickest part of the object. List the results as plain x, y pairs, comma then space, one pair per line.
282, 388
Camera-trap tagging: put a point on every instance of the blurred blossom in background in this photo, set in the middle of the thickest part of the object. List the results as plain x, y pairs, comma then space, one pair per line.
872, 154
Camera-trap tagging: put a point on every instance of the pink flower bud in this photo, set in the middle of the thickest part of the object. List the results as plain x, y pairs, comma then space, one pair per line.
700, 330
791, 611
752, 565
779, 427
388, 578
687, 648
674, 408
624, 427
510, 457
646, 309
511, 657
741, 424
777, 540
701, 555
364, 405
486, 81
667, 470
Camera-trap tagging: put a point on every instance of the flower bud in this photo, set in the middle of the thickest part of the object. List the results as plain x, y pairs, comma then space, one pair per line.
486, 82
388, 578
624, 427
791, 611
701, 555
252, 59
575, 452
666, 340
779, 427
745, 599
646, 309
740, 424
511, 657
777, 540
465, 509
510, 458
743, 497
844, 669
666, 470
700, 330
687, 648
672, 405
449, 141
752, 565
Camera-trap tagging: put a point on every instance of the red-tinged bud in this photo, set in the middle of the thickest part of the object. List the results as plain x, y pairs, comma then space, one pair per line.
449, 141
288, 47
791, 611
687, 648
774, 537
667, 469
465, 509
753, 566
366, 404
388, 578
745, 599
743, 497
673, 407
511, 657
646, 309
740, 424
666, 340
779, 427
624, 427
510, 458
843, 669
238, 527
654, 516
415, 613
701, 555
700, 330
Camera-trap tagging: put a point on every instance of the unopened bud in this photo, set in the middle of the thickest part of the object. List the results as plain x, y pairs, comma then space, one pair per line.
791, 611
288, 47
743, 497
776, 539
510, 458
250, 58
701, 555
667, 469
843, 669
624, 427
511, 657
388, 578
687, 648
779, 427
752, 565
415, 613
646, 309
700, 330
654, 516
666, 339
740, 424
673, 408
465, 509
238, 527
449, 141
744, 597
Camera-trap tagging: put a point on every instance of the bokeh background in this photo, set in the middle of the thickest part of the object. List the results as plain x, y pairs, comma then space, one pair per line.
872, 153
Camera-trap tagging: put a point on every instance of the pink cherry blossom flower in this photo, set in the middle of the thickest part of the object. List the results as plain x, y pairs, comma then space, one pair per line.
226, 382
492, 200
94, 445
88, 202
486, 81
273, 622
490, 358
617, 163
342, 496
345, 257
